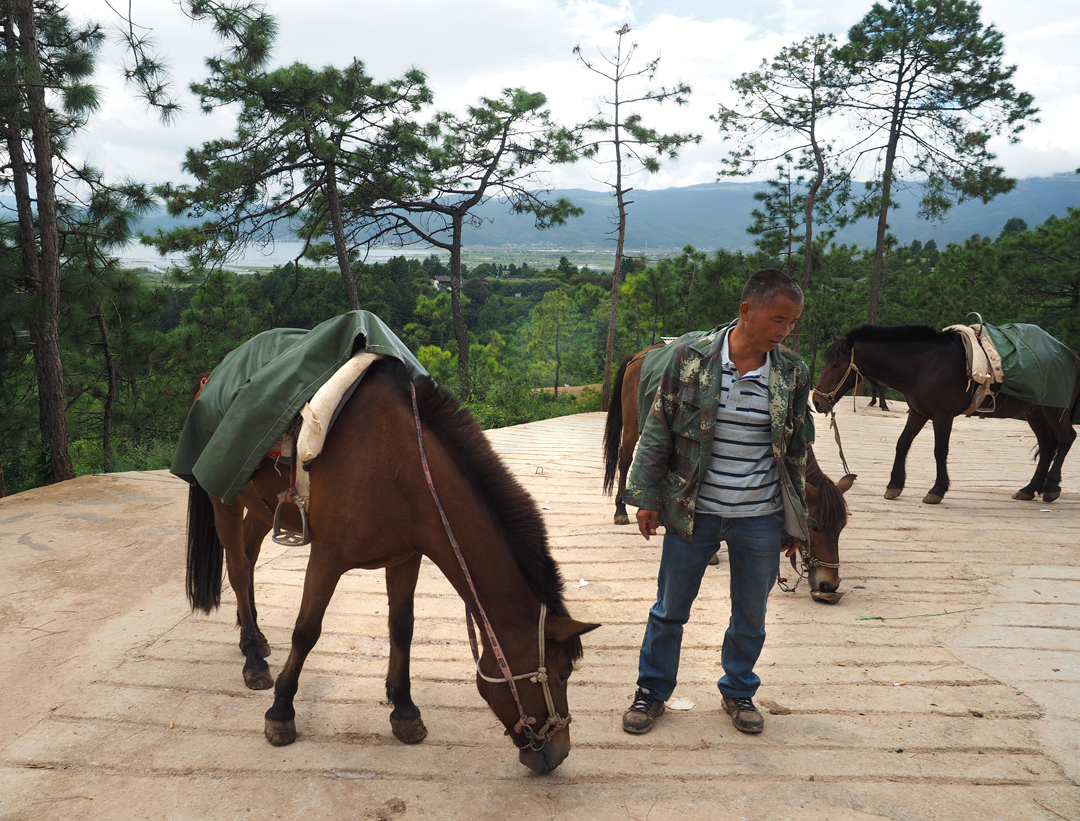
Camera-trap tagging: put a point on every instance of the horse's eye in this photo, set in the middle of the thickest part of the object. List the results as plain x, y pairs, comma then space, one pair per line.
563, 678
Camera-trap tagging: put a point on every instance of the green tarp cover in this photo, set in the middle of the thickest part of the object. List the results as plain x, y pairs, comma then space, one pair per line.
651, 371
1036, 366
255, 392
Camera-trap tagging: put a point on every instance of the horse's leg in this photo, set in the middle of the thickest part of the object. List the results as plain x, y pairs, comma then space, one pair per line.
1064, 436
626, 457
1047, 444
628, 398
882, 404
231, 530
319, 583
405, 720
942, 432
915, 423
255, 530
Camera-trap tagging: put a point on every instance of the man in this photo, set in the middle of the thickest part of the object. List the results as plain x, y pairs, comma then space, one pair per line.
722, 456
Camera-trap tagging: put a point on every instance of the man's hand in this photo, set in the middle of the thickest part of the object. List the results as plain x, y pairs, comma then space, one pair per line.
789, 545
647, 521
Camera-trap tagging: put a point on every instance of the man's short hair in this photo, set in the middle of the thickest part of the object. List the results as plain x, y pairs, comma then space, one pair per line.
764, 286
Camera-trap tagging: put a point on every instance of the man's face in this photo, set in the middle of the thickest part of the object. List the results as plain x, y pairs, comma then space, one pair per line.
767, 325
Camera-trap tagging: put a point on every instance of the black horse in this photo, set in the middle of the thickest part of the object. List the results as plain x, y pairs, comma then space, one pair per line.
930, 369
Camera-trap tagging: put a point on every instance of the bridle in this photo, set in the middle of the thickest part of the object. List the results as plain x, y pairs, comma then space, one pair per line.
831, 395
809, 562
831, 398
555, 722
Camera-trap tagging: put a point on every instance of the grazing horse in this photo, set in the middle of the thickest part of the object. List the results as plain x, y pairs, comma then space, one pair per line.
824, 498
930, 369
380, 499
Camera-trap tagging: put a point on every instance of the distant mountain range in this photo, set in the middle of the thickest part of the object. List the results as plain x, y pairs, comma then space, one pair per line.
715, 215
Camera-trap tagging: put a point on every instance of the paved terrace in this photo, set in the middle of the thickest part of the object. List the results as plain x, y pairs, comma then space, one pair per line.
945, 684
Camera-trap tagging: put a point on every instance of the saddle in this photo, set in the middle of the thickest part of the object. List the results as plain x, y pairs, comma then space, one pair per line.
304, 445
983, 366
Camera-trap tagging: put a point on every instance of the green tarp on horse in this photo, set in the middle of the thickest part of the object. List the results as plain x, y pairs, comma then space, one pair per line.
1037, 368
252, 396
651, 371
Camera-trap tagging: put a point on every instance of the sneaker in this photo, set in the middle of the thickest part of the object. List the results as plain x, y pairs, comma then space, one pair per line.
744, 715
642, 713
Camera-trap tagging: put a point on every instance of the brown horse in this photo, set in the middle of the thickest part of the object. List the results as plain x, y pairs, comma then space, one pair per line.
824, 498
372, 506
930, 369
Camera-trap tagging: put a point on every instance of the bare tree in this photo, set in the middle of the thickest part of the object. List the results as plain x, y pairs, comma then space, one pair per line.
618, 138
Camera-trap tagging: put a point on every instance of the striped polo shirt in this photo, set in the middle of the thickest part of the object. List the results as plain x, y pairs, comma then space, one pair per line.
742, 479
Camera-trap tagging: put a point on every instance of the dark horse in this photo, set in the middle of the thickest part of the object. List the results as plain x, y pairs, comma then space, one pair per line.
930, 368
371, 507
824, 498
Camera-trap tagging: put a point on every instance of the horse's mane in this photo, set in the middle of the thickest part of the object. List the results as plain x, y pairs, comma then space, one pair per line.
832, 510
895, 333
885, 334
510, 504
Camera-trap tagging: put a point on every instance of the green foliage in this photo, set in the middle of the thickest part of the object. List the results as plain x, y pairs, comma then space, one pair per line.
957, 94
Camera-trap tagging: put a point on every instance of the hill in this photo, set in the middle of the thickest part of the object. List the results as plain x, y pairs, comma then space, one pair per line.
715, 215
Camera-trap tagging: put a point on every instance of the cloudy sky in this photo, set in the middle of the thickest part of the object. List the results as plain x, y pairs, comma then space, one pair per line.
471, 48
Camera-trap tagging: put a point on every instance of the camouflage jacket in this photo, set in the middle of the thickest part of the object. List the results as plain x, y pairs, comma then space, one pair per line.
676, 442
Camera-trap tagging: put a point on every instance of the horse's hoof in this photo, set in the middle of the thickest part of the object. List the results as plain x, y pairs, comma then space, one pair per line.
932, 499
280, 733
829, 598
622, 519
1023, 496
258, 679
893, 492
1051, 495
408, 731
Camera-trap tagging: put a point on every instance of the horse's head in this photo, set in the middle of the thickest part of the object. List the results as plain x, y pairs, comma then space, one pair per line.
828, 516
838, 374
545, 742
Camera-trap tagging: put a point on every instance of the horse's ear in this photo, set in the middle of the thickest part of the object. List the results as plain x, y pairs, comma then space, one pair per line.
564, 628
844, 485
835, 337
812, 494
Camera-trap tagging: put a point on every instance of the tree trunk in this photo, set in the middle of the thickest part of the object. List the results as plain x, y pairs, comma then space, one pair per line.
886, 192
333, 197
690, 296
45, 325
456, 310
558, 362
110, 395
808, 256
616, 275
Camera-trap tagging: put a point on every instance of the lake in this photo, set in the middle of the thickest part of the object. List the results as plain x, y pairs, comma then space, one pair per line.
136, 255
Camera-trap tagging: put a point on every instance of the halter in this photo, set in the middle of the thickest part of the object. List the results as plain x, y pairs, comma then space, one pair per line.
831, 395
555, 722
809, 562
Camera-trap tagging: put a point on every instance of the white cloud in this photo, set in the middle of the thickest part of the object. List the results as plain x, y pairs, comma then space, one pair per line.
471, 48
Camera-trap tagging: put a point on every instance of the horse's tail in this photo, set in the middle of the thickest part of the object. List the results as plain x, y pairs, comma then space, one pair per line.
204, 554
613, 427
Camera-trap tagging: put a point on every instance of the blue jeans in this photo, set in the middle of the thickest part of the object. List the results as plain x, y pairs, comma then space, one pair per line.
754, 560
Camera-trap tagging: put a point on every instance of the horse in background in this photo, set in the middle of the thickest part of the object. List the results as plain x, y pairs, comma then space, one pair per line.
826, 508
929, 368
372, 506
